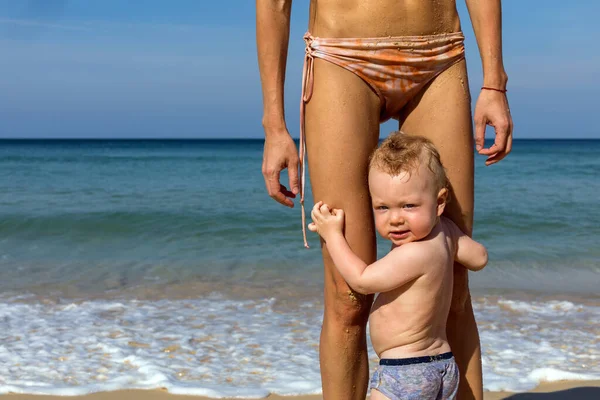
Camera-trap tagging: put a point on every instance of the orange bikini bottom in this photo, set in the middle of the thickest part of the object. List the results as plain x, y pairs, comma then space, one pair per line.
395, 68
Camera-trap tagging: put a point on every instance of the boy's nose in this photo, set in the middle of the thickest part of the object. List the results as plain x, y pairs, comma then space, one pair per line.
396, 218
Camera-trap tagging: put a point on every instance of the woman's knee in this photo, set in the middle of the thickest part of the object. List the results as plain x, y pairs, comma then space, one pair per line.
345, 307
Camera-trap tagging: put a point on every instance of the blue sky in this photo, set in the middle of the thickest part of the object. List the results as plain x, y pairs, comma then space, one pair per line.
187, 68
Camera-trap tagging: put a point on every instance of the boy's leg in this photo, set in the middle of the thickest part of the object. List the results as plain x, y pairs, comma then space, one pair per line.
442, 113
342, 128
377, 395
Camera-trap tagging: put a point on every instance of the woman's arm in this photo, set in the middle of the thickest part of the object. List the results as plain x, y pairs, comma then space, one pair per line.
486, 17
272, 37
492, 106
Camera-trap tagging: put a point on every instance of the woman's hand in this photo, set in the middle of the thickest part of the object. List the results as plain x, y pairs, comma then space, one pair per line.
280, 153
326, 222
492, 109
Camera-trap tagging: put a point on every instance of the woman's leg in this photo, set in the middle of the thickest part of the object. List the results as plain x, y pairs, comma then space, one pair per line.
342, 128
442, 113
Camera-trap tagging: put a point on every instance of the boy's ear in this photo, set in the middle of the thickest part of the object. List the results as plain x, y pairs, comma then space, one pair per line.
442, 199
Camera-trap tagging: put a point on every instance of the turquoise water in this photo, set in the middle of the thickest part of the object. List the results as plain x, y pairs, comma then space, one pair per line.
89, 216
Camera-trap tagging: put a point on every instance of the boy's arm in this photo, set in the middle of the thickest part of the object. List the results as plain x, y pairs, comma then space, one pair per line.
471, 254
402, 265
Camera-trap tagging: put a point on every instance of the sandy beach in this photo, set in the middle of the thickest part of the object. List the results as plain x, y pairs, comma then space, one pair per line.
563, 390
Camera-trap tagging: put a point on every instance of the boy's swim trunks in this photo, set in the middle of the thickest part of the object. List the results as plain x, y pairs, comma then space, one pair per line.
419, 378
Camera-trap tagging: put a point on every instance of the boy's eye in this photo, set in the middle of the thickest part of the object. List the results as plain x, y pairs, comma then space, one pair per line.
409, 206
381, 208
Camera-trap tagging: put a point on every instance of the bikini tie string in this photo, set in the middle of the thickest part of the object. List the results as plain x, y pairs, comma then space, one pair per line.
307, 89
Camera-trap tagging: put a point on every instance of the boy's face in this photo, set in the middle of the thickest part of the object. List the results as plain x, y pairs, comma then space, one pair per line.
406, 206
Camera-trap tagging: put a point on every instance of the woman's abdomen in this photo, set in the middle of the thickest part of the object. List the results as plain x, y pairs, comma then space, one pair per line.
379, 18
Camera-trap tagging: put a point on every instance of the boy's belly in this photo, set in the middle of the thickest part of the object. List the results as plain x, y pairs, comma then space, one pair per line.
401, 328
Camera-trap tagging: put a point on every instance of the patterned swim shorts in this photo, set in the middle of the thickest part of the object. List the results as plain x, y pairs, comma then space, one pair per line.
418, 378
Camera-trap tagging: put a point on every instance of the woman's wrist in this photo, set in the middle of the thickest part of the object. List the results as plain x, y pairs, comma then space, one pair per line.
275, 128
273, 121
495, 79
494, 89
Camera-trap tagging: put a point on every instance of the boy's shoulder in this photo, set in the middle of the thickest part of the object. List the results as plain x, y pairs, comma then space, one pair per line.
420, 250
437, 247
449, 227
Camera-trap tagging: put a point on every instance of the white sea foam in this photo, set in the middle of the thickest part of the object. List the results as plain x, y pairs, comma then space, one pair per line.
525, 343
213, 347
219, 347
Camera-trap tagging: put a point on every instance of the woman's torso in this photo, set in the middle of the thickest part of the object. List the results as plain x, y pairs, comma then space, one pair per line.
380, 18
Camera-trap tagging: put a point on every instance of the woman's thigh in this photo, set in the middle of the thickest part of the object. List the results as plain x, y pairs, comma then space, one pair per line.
342, 129
442, 113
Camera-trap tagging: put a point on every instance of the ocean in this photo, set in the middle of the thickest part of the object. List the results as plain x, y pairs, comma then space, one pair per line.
164, 264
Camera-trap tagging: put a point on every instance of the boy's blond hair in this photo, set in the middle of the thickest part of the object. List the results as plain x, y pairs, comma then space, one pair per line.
400, 152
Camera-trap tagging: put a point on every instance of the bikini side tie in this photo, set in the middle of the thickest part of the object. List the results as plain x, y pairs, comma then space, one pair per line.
307, 90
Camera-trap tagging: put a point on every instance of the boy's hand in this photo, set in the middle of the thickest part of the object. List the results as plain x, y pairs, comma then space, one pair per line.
326, 222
